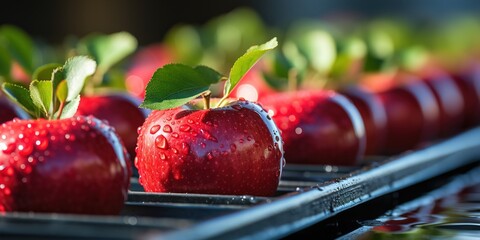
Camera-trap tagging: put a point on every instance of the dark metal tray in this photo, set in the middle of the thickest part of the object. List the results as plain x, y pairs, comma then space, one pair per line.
307, 195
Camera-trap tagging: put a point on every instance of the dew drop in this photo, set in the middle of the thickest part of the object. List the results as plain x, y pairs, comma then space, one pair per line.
184, 128
154, 129
277, 138
177, 175
241, 140
25, 149
237, 107
203, 145
249, 138
175, 135
163, 156
233, 147
174, 150
161, 142
9, 148
190, 121
185, 148
208, 123
167, 129
139, 129
41, 144
209, 156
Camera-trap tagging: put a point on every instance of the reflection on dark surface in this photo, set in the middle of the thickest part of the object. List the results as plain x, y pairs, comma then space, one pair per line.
454, 216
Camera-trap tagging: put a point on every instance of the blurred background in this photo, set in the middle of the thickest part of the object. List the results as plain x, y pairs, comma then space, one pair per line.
148, 20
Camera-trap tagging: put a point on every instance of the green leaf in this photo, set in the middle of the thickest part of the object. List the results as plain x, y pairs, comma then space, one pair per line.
19, 45
62, 91
21, 96
5, 64
41, 93
45, 72
75, 70
175, 84
245, 62
208, 74
70, 108
108, 50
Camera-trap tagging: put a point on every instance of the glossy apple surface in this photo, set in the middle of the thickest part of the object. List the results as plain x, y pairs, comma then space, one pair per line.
73, 165
469, 83
412, 114
318, 127
121, 111
373, 115
235, 149
449, 99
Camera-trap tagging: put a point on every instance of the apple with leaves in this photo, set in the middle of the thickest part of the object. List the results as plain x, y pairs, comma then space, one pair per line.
187, 146
58, 162
119, 109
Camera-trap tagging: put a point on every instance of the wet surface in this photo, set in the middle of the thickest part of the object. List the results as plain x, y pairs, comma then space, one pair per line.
451, 212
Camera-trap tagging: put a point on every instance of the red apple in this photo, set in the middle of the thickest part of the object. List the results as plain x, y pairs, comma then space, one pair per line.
144, 64
210, 151
373, 115
120, 111
449, 99
186, 145
57, 162
318, 127
412, 112
469, 83
74, 165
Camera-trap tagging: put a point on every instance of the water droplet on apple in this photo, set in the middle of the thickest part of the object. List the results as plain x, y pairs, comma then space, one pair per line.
163, 156
25, 149
185, 148
208, 135
190, 121
237, 107
184, 128
167, 129
175, 150
208, 123
241, 140
9, 148
277, 138
175, 135
139, 129
209, 156
161, 142
203, 145
41, 144
177, 175
249, 138
233, 147
154, 129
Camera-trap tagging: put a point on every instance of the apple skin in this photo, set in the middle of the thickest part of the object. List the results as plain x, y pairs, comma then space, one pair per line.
468, 80
373, 115
412, 114
121, 111
145, 62
9, 111
234, 149
74, 165
318, 127
449, 99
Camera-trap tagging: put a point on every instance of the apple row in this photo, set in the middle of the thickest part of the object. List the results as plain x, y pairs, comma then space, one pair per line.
206, 133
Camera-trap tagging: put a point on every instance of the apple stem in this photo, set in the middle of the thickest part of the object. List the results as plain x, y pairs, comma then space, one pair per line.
206, 99
60, 110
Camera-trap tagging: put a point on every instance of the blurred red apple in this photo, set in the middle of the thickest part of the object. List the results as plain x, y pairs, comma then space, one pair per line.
318, 127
